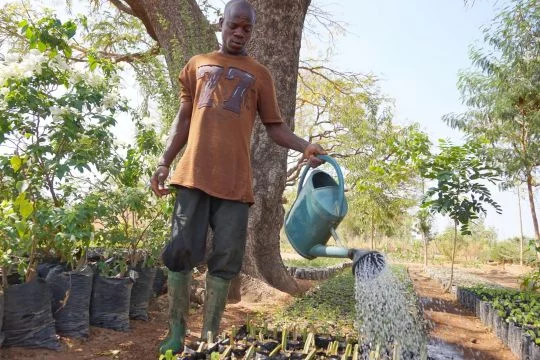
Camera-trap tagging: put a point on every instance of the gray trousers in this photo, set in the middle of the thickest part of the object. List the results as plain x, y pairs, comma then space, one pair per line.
194, 211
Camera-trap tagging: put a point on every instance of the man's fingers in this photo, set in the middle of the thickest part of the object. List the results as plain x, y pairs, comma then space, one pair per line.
158, 185
155, 189
315, 161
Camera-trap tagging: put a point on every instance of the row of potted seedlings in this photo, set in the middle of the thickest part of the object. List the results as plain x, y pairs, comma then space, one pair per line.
250, 342
512, 315
309, 273
60, 301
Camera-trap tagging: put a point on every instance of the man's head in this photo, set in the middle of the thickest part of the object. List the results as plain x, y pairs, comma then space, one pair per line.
236, 26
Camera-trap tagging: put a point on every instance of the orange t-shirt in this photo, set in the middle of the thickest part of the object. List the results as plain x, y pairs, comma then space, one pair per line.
227, 91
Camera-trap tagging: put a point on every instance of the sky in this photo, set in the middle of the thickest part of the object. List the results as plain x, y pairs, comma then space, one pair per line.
417, 48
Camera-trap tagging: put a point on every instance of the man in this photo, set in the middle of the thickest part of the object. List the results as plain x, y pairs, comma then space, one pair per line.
221, 94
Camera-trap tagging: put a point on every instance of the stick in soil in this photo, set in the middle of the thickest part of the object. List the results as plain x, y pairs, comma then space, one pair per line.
233, 335
308, 342
355, 352
335, 347
329, 348
348, 350
226, 352
201, 347
311, 354
284, 339
395, 355
276, 350
250, 352
377, 352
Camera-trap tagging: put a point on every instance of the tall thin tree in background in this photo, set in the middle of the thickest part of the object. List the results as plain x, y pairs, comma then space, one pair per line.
503, 97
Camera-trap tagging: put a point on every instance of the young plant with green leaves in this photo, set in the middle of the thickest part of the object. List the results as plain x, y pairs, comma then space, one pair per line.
56, 144
518, 307
135, 220
459, 174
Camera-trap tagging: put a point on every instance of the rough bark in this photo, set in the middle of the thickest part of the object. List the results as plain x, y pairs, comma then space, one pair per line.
182, 31
179, 27
530, 192
520, 228
276, 44
449, 286
425, 242
235, 293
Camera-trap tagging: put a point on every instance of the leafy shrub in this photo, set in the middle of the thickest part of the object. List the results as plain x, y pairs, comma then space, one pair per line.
521, 308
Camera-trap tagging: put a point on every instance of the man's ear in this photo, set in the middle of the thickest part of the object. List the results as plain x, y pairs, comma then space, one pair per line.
221, 23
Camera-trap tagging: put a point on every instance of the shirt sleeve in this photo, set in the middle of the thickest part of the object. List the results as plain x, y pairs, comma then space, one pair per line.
267, 105
187, 82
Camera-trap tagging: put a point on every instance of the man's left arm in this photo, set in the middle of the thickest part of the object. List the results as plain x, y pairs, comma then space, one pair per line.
282, 135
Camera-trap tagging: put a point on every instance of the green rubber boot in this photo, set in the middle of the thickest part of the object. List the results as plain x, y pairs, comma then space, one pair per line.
217, 290
179, 286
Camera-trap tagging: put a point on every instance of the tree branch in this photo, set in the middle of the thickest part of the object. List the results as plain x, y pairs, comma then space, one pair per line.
138, 9
123, 7
129, 58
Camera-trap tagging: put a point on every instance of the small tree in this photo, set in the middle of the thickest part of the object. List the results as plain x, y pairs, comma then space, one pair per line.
56, 115
424, 227
135, 219
459, 192
502, 96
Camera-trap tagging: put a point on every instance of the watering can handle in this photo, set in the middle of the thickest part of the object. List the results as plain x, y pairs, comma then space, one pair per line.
332, 162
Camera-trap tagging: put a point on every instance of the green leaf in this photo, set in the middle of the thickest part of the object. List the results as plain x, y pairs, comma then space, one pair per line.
25, 206
16, 162
41, 46
68, 52
22, 186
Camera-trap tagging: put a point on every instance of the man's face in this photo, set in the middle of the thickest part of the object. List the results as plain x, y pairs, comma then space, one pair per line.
236, 27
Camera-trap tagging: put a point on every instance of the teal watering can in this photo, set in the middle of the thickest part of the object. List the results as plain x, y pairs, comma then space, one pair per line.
319, 207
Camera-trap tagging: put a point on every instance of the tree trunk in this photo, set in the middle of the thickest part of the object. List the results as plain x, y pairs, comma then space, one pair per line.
235, 294
182, 31
277, 47
425, 238
533, 211
425, 241
372, 233
449, 286
520, 228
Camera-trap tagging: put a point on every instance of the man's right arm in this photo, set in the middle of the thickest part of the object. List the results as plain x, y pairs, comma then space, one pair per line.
178, 137
178, 134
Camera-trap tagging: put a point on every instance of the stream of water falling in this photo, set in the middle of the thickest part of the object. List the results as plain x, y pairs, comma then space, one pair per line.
391, 322
389, 319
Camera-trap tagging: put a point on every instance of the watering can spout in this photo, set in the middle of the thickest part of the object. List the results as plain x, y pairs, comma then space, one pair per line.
367, 264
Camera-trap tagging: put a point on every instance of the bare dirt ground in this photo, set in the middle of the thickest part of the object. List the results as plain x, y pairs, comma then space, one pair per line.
505, 275
451, 323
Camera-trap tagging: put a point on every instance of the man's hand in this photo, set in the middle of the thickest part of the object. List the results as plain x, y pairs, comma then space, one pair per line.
310, 153
157, 182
